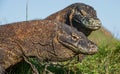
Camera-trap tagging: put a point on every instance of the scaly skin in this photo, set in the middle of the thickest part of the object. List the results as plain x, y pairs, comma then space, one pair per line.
46, 40
79, 15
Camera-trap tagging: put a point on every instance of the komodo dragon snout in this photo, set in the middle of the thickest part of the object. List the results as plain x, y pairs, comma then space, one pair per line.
76, 41
87, 22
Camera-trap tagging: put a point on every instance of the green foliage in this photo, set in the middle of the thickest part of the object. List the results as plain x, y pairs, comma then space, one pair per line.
107, 61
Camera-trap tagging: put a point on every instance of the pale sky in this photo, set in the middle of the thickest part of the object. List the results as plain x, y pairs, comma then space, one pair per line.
15, 10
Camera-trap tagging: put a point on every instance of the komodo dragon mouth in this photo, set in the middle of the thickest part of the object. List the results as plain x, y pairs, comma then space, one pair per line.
87, 22
76, 41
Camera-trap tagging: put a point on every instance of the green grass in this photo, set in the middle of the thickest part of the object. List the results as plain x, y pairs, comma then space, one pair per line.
107, 61
102, 37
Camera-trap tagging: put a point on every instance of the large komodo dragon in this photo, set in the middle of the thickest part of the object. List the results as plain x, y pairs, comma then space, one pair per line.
79, 15
46, 40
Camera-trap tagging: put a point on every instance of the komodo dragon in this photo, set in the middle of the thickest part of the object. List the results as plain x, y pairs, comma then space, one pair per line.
79, 15
47, 40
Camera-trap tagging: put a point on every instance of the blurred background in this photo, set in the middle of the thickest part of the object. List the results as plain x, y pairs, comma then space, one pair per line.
15, 10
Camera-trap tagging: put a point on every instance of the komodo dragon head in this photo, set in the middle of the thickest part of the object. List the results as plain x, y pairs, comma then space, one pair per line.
79, 15
75, 40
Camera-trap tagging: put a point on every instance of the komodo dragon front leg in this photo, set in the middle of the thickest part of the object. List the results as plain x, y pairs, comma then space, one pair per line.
26, 59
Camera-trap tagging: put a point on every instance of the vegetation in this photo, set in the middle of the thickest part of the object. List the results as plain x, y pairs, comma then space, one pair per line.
106, 61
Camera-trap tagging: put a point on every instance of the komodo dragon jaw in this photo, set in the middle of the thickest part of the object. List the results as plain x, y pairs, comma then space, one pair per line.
76, 41
87, 22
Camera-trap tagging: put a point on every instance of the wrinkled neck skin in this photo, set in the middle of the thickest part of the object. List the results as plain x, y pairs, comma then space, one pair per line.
61, 53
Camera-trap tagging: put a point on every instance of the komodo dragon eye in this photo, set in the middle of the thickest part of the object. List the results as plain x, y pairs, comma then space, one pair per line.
75, 37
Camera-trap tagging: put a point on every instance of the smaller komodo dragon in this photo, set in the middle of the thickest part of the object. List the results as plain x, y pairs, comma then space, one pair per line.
79, 15
47, 40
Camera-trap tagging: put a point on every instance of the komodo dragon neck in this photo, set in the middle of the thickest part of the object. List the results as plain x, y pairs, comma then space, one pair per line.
60, 16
